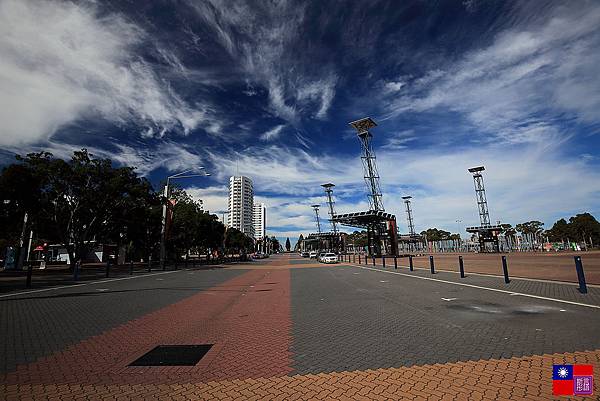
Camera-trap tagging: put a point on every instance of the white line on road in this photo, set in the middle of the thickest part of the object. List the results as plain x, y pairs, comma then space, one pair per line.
481, 288
16, 294
449, 299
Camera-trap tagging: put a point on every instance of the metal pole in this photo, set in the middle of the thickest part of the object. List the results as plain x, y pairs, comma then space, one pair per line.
431, 265
29, 245
29, 272
163, 229
395, 262
580, 275
410, 263
383, 261
461, 267
505, 270
131, 267
76, 271
107, 267
373, 260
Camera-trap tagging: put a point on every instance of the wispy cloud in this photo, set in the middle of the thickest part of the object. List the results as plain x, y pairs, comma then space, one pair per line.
62, 61
272, 134
515, 89
262, 38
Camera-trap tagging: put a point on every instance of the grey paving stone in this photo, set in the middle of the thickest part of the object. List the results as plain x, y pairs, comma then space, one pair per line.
38, 324
348, 321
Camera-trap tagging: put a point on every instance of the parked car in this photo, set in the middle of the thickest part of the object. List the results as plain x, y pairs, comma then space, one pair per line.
321, 254
313, 255
329, 258
305, 254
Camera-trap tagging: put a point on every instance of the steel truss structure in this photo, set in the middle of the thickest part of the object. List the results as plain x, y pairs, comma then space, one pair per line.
486, 233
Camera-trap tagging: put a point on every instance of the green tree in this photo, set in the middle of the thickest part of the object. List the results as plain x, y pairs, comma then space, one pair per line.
530, 227
508, 230
298, 244
434, 234
560, 231
584, 227
73, 202
276, 245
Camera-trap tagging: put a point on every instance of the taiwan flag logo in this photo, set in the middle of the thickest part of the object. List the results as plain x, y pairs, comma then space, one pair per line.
572, 380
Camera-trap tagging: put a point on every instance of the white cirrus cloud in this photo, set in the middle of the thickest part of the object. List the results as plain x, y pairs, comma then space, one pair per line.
260, 37
272, 134
532, 75
62, 61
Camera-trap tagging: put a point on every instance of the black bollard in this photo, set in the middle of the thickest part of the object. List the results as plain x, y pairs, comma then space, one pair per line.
461, 267
29, 272
373, 260
107, 268
76, 271
354, 258
431, 265
505, 270
359, 259
395, 262
383, 261
580, 275
131, 267
410, 263
149, 264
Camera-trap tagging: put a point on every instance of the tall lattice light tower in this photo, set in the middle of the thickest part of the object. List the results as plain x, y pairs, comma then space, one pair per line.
484, 215
329, 191
409, 217
371, 174
316, 209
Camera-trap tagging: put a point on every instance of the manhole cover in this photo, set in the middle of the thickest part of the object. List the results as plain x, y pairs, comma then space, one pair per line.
173, 355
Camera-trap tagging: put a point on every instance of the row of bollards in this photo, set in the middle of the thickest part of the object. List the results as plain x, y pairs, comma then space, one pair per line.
461, 267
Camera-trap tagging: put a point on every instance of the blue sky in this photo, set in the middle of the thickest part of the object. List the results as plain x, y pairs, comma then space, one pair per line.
267, 89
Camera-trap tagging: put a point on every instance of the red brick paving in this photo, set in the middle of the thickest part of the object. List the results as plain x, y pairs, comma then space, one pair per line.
525, 378
249, 327
546, 266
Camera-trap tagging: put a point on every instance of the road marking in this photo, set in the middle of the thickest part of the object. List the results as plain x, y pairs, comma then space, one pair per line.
483, 288
449, 299
101, 289
383, 281
16, 294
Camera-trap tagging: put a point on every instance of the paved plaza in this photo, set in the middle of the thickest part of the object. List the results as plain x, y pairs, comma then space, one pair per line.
289, 328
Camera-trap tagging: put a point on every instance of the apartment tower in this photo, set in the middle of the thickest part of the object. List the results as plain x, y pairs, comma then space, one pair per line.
241, 204
260, 220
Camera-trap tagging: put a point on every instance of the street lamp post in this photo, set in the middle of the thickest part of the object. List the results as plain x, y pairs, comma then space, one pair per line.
163, 230
459, 237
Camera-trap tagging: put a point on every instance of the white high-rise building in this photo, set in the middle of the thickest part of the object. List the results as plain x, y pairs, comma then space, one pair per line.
260, 220
241, 205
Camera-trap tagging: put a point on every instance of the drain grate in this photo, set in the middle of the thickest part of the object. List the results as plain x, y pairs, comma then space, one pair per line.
173, 355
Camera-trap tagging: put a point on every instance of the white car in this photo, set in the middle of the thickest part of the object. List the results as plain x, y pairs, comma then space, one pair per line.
329, 258
313, 255
321, 256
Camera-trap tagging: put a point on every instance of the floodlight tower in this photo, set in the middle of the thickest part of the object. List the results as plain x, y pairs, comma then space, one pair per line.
316, 209
484, 215
371, 174
330, 202
409, 218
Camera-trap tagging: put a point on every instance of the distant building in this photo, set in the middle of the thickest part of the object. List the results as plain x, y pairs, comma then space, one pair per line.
260, 220
241, 205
